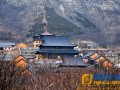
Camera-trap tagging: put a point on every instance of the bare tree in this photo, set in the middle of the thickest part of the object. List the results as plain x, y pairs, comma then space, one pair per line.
11, 76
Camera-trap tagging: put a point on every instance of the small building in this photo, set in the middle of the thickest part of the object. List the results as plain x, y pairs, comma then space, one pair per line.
113, 56
106, 63
19, 65
22, 45
36, 41
102, 61
117, 65
91, 55
98, 60
6, 45
22, 65
20, 62
88, 45
28, 53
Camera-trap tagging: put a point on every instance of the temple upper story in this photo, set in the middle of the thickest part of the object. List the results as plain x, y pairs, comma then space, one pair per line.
46, 39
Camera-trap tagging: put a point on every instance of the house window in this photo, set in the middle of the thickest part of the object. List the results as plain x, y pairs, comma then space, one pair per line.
9, 47
25, 52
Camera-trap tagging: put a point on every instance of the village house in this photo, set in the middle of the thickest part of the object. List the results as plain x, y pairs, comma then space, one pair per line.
6, 45
22, 45
29, 52
88, 45
97, 60
22, 64
26, 51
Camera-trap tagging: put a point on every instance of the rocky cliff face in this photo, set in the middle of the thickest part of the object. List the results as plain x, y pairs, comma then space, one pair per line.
100, 15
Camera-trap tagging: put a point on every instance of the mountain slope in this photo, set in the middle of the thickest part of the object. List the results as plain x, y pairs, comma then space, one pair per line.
93, 17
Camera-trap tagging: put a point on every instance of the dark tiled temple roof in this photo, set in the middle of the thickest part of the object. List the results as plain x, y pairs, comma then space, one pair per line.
57, 41
88, 54
37, 37
62, 51
74, 62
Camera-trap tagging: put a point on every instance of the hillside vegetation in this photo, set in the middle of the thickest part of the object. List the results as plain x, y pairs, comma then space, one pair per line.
96, 20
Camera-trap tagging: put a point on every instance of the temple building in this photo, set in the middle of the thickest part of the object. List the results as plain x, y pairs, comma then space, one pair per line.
56, 48
53, 47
